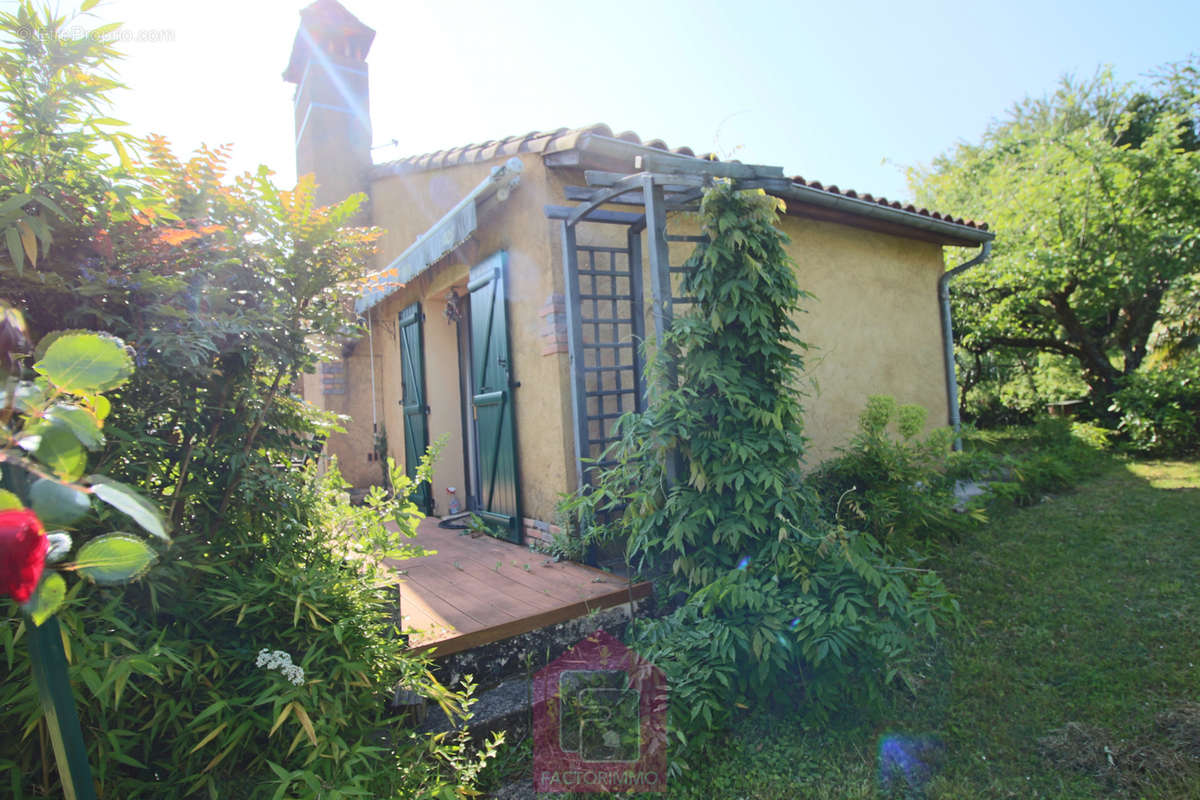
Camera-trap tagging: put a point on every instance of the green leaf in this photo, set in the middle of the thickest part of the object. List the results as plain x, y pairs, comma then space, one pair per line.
59, 546
8, 500
126, 500
47, 598
86, 363
82, 422
101, 406
114, 558
12, 239
122, 152
39, 352
58, 449
58, 505
26, 397
13, 203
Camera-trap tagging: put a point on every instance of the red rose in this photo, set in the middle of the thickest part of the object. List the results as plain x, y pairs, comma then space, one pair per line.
23, 546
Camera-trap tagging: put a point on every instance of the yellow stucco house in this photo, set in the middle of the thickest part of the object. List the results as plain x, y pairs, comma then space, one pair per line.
516, 278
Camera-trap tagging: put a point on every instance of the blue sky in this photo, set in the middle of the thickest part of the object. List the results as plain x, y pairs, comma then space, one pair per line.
847, 93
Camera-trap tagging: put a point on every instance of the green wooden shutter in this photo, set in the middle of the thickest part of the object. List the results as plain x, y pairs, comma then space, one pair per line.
492, 401
412, 399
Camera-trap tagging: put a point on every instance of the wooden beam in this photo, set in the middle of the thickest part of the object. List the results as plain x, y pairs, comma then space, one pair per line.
768, 185
638, 312
575, 347
684, 199
564, 159
598, 215
633, 197
584, 194
660, 290
597, 149
675, 164
673, 183
660, 259
596, 177
609, 153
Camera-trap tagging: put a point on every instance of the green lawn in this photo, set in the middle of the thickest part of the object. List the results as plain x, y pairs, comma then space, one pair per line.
1082, 632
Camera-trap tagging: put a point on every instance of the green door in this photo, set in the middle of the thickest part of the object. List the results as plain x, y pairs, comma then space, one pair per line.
492, 401
412, 399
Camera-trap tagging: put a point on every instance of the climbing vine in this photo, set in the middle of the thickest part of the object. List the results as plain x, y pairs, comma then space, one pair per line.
708, 492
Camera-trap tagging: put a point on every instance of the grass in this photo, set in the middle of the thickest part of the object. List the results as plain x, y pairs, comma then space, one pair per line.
1082, 630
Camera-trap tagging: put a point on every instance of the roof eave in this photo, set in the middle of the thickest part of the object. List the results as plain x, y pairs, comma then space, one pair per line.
943, 231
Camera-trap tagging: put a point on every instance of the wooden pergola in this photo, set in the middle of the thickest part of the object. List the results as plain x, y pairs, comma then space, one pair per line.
605, 296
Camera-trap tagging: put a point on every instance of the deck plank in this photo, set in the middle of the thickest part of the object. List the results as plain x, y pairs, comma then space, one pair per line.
508, 591
477, 590
565, 581
471, 591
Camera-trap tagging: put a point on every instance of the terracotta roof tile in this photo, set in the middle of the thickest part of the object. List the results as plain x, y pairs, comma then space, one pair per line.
532, 142
883, 201
544, 142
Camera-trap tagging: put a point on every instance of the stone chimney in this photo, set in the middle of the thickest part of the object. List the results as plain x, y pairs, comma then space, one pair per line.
333, 125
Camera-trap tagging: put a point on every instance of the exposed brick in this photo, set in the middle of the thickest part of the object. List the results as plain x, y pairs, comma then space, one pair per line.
556, 304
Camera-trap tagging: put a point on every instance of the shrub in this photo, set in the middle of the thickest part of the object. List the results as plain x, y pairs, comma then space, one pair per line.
1159, 409
894, 486
175, 702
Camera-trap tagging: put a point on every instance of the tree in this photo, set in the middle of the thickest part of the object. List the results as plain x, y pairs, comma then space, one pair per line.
1094, 192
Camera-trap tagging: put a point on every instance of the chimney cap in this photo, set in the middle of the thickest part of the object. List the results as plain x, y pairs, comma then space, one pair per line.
327, 23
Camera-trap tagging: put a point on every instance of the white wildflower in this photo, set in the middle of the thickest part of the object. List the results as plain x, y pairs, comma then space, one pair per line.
280, 660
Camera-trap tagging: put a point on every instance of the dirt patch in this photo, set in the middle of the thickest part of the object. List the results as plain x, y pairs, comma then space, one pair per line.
1181, 726
1170, 756
1081, 748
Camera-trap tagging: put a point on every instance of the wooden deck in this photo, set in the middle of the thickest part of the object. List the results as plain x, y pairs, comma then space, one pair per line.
476, 590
